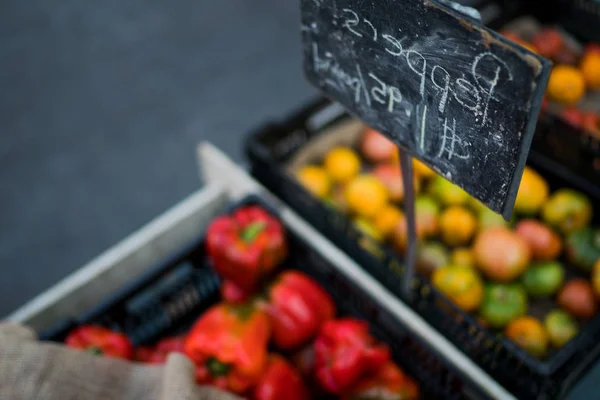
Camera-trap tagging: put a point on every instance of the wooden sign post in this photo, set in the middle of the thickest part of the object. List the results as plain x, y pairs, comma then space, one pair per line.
457, 96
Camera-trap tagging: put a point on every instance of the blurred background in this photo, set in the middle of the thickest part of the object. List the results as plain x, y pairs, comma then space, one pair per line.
101, 106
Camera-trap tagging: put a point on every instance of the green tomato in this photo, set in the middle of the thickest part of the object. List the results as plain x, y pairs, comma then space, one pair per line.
543, 279
502, 303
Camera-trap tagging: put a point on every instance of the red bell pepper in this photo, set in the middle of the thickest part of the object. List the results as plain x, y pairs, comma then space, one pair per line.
346, 352
244, 247
158, 353
228, 344
387, 383
144, 354
280, 381
100, 340
298, 306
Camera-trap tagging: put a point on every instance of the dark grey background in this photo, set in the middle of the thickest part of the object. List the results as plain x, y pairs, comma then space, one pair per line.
101, 105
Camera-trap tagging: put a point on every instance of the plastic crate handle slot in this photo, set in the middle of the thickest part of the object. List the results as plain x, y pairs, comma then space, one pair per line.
162, 312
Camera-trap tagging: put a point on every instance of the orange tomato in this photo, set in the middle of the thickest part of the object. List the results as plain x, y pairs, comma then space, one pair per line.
566, 85
386, 220
342, 164
315, 180
528, 333
366, 196
457, 226
590, 67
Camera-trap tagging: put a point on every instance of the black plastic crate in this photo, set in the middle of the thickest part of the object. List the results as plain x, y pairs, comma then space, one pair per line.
269, 148
173, 294
581, 17
561, 146
568, 150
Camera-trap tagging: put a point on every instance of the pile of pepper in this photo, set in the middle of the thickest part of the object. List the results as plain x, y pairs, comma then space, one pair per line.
271, 336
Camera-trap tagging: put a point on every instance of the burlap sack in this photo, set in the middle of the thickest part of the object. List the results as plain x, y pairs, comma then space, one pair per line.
34, 370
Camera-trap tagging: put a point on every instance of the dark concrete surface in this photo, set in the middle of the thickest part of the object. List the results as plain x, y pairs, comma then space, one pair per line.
101, 105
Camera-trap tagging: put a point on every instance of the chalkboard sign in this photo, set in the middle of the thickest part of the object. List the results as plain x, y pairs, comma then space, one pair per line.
451, 92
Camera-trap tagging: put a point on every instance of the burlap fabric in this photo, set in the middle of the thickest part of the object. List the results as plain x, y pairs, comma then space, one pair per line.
34, 370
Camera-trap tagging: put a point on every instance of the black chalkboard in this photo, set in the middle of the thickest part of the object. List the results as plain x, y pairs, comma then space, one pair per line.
451, 92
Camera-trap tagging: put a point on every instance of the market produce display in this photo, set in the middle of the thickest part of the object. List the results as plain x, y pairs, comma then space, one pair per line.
273, 335
505, 273
574, 83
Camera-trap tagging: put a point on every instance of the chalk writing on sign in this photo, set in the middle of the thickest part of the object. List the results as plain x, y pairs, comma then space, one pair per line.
390, 97
451, 93
473, 92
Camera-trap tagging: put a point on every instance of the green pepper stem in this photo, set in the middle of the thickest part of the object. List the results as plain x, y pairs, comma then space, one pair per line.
243, 311
216, 367
251, 231
95, 350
